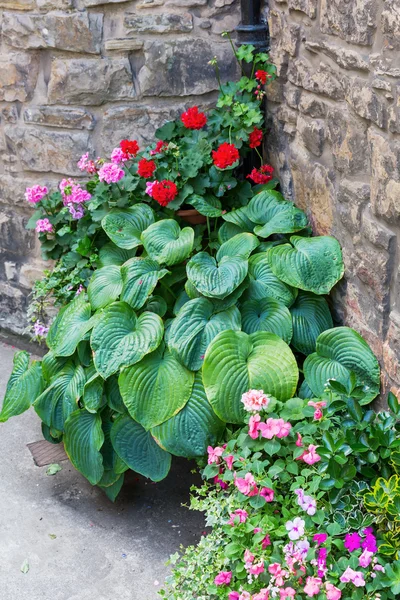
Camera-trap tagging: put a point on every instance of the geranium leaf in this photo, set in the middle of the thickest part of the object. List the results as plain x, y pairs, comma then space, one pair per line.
195, 326
311, 264
311, 316
267, 314
105, 286
236, 362
83, 439
274, 214
138, 449
340, 351
140, 276
24, 386
124, 227
166, 243
193, 429
264, 283
121, 339
216, 280
241, 245
161, 377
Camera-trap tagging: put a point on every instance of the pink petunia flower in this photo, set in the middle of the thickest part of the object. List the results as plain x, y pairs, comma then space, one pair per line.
332, 592
233, 596
287, 593
254, 422
313, 585
365, 559
214, 455
355, 577
36, 193
320, 538
257, 569
223, 578
246, 485
266, 542
309, 456
229, 461
262, 595
267, 494
352, 542
239, 513
255, 400
299, 441
248, 557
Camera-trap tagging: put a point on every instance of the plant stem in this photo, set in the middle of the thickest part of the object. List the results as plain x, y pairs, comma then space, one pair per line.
166, 287
236, 56
208, 227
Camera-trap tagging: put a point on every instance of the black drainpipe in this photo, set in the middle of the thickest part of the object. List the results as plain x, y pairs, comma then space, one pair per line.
252, 29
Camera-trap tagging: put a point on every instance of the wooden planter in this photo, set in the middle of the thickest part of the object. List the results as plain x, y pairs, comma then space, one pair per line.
192, 216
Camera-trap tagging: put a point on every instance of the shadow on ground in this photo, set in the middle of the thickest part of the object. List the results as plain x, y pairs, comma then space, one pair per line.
102, 551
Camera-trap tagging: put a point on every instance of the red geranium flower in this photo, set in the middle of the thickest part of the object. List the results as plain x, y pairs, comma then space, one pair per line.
164, 191
225, 156
255, 138
262, 76
261, 175
146, 168
193, 119
160, 147
129, 147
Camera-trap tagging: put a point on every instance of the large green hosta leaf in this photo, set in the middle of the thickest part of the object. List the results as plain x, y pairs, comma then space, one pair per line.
240, 218
264, 283
236, 362
216, 280
241, 245
140, 276
60, 399
138, 449
121, 339
228, 231
124, 227
105, 286
194, 428
24, 386
274, 214
166, 243
313, 264
83, 439
208, 205
110, 254
267, 314
311, 316
338, 352
70, 326
194, 328
93, 391
156, 388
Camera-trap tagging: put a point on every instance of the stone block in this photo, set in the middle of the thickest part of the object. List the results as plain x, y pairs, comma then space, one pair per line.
135, 23
324, 81
377, 234
10, 113
374, 266
394, 113
14, 238
90, 3
90, 81
391, 348
390, 20
67, 118
77, 32
223, 23
180, 68
349, 142
150, 4
54, 4
124, 44
13, 305
367, 103
10, 270
353, 21
42, 150
309, 7
312, 106
17, 4
287, 35
352, 196
385, 176
12, 189
18, 76
312, 133
385, 64
31, 272
344, 57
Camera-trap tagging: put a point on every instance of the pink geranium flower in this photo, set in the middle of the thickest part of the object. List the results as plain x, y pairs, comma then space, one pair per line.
352, 542
111, 173
267, 494
223, 578
255, 400
43, 226
313, 585
36, 193
332, 592
118, 156
238, 514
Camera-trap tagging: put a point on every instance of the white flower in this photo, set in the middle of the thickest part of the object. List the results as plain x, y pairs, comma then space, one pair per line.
295, 528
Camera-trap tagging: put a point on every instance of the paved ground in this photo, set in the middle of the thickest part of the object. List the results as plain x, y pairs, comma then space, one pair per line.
102, 551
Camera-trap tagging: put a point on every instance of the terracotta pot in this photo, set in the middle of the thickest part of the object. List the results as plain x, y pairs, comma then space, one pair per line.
192, 216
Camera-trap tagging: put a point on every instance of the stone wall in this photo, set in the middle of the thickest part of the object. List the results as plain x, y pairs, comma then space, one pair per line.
334, 117
78, 75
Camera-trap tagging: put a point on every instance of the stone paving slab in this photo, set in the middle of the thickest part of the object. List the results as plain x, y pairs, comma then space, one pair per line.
102, 551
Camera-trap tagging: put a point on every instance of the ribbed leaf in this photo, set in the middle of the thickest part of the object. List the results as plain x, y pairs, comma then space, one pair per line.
313, 264
236, 362
264, 283
208, 205
70, 326
194, 328
51, 365
124, 227
216, 280
60, 399
140, 276
194, 428
24, 386
228, 231
338, 352
110, 254
121, 339
105, 286
138, 449
310, 316
241, 245
240, 218
219, 304
113, 395
93, 393
157, 305
267, 314
156, 388
274, 214
114, 489
83, 439
166, 243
